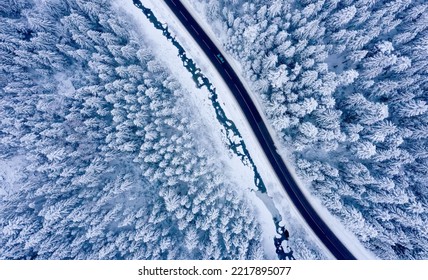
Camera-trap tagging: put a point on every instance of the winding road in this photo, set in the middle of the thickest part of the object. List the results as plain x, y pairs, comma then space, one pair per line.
319, 227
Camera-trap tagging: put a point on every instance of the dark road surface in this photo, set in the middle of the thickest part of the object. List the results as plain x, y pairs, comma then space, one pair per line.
320, 228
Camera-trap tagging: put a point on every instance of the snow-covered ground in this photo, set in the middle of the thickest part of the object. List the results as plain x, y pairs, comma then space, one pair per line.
237, 170
275, 190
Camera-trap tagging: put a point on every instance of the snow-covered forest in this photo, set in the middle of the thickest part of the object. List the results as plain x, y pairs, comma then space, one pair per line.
344, 84
101, 154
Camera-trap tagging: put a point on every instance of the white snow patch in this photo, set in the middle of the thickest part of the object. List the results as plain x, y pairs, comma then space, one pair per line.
65, 86
10, 174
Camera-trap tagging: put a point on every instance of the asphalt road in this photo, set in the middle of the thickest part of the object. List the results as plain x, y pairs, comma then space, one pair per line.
336, 247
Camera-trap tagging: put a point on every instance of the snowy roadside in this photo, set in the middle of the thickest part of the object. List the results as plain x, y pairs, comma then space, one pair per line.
349, 239
292, 218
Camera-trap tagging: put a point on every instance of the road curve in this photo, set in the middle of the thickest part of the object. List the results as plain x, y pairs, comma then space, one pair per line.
320, 228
